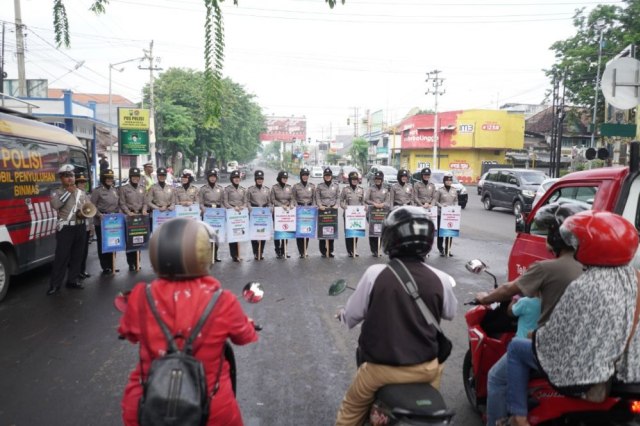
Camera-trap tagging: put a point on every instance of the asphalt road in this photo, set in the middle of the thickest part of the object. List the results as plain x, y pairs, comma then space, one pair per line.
61, 362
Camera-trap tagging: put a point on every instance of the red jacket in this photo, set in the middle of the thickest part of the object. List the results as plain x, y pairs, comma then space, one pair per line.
180, 305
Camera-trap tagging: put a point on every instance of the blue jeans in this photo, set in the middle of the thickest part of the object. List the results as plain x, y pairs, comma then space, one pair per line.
497, 391
520, 360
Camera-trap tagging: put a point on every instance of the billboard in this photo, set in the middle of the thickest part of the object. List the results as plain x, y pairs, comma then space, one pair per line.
285, 129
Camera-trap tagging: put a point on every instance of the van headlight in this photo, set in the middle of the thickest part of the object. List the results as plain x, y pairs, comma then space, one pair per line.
528, 193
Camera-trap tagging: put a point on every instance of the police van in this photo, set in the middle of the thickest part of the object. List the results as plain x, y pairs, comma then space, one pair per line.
31, 152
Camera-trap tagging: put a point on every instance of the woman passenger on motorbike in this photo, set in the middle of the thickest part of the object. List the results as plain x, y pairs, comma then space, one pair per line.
180, 252
591, 335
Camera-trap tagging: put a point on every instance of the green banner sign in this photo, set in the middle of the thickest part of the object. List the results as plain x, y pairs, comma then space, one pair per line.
134, 142
613, 129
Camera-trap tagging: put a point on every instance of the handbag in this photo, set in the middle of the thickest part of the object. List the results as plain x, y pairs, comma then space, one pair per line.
406, 279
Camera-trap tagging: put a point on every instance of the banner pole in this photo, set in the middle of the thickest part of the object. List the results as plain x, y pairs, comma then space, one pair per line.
355, 247
379, 243
259, 249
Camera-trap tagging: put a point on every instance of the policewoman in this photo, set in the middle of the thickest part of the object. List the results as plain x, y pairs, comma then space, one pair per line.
281, 196
402, 192
303, 195
107, 201
235, 197
351, 195
258, 195
132, 203
379, 197
327, 195
186, 194
71, 232
210, 196
160, 195
424, 190
445, 196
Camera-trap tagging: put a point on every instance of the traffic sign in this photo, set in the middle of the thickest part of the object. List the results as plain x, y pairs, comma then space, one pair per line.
620, 83
305, 155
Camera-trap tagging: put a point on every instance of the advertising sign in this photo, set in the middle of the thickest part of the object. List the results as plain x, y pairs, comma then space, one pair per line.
306, 221
134, 142
260, 223
158, 217
137, 232
450, 221
327, 224
189, 212
355, 221
133, 118
216, 218
113, 232
237, 225
284, 223
376, 217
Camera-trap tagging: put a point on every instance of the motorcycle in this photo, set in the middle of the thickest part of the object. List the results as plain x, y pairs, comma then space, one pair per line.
490, 329
415, 404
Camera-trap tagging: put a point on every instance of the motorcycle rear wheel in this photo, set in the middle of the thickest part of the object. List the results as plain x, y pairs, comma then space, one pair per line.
469, 381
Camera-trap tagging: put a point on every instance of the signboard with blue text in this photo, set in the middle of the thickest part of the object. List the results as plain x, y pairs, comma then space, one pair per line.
113, 232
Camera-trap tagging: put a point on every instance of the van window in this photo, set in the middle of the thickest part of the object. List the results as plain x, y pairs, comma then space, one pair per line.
504, 177
583, 195
492, 177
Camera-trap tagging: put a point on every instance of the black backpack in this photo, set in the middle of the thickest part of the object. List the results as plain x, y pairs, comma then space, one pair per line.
175, 391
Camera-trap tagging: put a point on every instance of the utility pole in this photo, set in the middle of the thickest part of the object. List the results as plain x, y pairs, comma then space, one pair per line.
2, 63
148, 55
600, 27
437, 83
22, 82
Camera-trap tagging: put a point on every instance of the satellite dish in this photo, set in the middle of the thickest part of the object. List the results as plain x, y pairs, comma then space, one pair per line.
620, 83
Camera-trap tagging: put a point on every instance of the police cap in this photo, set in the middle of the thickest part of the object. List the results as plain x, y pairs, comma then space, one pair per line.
161, 171
327, 172
258, 174
134, 171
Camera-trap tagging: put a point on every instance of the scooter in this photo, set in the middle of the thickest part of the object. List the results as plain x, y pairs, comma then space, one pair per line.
490, 331
410, 404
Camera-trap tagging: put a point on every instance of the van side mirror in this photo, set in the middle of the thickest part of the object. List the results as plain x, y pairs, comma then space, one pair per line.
513, 181
521, 222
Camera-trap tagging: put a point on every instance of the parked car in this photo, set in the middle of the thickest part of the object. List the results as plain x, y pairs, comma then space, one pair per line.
481, 182
546, 184
316, 172
336, 173
390, 174
512, 189
436, 178
344, 174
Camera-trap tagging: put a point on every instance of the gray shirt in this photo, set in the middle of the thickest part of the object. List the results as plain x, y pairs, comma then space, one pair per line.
327, 196
65, 202
281, 196
160, 197
234, 197
424, 193
402, 195
377, 195
132, 199
351, 197
446, 197
106, 201
304, 195
211, 196
259, 197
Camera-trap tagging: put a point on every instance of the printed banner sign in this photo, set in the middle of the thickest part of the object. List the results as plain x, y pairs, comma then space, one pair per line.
134, 142
450, 221
137, 232
376, 217
216, 218
260, 223
327, 224
113, 232
190, 212
306, 221
133, 118
158, 217
355, 221
237, 225
284, 223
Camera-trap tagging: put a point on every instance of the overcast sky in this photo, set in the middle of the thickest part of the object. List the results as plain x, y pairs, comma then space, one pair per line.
299, 57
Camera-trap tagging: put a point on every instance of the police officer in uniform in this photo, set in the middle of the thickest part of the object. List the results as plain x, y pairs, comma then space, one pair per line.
71, 232
148, 179
303, 195
258, 195
132, 203
327, 194
210, 196
160, 195
186, 194
424, 190
281, 196
351, 195
107, 201
235, 197
445, 196
402, 192
379, 197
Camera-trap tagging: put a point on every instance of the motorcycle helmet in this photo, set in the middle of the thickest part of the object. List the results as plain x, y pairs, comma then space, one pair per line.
407, 231
304, 172
133, 172
234, 174
550, 217
402, 172
354, 176
258, 174
181, 249
188, 173
212, 172
600, 238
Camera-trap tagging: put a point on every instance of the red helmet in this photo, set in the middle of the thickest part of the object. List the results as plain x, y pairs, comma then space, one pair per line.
600, 238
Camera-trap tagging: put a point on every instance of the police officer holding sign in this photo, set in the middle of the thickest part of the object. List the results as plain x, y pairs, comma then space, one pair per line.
132, 203
160, 195
402, 192
327, 194
424, 190
352, 195
186, 194
281, 196
71, 232
303, 195
445, 196
235, 197
258, 195
379, 197
107, 201
210, 196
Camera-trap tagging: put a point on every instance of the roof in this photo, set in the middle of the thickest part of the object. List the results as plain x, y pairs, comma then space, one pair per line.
15, 125
576, 122
85, 98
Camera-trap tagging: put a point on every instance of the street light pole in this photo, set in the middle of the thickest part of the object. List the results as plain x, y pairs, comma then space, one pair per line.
437, 82
597, 87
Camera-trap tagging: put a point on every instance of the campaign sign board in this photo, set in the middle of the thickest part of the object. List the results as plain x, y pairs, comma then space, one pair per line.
237, 225
327, 224
158, 217
284, 223
260, 223
306, 221
113, 232
376, 217
189, 212
217, 219
450, 221
137, 232
355, 221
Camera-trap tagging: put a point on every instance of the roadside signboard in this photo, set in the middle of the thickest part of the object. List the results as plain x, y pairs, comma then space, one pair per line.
216, 218
237, 225
113, 232
284, 223
306, 221
260, 223
450, 221
328, 224
355, 221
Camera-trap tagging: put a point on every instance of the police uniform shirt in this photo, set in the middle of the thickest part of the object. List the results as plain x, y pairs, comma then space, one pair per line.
148, 181
351, 196
378, 195
132, 200
106, 201
327, 196
303, 195
281, 196
424, 193
181, 195
235, 197
402, 195
259, 197
211, 197
446, 198
158, 196
65, 202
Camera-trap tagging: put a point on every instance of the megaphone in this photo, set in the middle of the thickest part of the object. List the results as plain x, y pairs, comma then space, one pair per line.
87, 211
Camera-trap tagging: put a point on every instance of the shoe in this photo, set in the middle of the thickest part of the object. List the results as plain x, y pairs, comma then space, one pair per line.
53, 291
323, 255
350, 254
331, 255
441, 253
255, 257
356, 255
261, 258
76, 286
374, 254
288, 256
84, 275
217, 259
450, 254
107, 271
236, 259
132, 268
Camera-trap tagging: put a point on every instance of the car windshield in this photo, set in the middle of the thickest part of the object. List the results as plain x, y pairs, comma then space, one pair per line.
533, 178
348, 170
388, 170
436, 177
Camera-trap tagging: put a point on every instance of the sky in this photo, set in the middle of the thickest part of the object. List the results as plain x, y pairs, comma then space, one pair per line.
301, 58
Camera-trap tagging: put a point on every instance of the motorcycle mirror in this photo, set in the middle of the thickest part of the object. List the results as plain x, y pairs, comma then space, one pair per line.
476, 266
338, 287
253, 292
120, 302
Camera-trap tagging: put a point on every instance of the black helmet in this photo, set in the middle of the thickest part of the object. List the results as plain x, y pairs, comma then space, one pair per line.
234, 174
378, 175
407, 231
353, 175
447, 176
181, 249
134, 171
327, 172
304, 172
258, 174
161, 171
425, 171
550, 217
402, 172
212, 172
282, 175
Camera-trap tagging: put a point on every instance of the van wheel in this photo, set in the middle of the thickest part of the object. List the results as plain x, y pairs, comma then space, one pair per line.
5, 275
487, 203
517, 208
469, 381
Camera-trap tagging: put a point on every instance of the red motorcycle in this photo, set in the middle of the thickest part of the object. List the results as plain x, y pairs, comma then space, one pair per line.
490, 331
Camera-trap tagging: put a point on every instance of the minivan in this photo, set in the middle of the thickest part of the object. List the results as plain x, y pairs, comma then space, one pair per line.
512, 189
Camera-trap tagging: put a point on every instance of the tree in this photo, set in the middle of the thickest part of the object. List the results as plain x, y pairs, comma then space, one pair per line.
176, 131
360, 152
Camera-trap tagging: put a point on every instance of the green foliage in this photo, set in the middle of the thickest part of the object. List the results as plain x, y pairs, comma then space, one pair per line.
332, 158
360, 152
60, 23
175, 128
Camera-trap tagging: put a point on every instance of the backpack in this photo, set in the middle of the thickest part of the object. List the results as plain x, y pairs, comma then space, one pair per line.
175, 391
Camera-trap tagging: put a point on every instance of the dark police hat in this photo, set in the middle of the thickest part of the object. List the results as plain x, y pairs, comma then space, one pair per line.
327, 172
80, 177
304, 172
134, 171
161, 171
425, 171
234, 174
107, 174
258, 174
212, 172
378, 175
